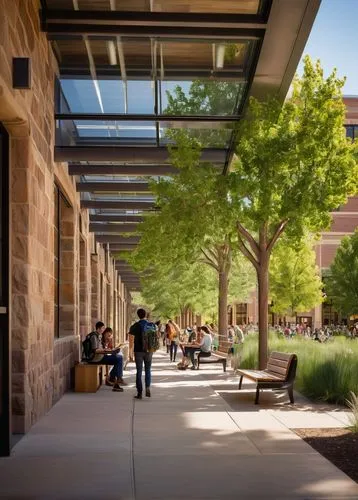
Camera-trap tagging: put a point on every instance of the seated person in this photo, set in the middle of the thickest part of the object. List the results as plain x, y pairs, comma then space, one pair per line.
203, 348
107, 338
191, 335
107, 356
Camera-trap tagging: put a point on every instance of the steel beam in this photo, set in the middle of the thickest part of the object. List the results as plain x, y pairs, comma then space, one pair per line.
112, 238
179, 73
119, 187
123, 204
120, 264
154, 24
142, 170
111, 117
128, 154
113, 228
115, 218
139, 18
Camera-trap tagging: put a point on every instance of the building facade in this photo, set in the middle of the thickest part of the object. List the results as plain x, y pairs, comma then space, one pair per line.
82, 122
60, 281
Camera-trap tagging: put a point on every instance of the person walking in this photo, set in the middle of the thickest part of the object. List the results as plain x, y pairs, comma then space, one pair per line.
173, 332
141, 356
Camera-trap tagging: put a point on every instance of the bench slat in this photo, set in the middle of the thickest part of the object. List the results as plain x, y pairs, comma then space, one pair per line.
285, 356
277, 370
278, 362
260, 375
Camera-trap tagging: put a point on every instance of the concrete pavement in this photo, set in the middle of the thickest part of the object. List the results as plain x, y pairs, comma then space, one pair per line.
197, 437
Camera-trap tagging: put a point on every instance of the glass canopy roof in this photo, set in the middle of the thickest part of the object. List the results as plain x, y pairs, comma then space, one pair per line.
199, 6
131, 73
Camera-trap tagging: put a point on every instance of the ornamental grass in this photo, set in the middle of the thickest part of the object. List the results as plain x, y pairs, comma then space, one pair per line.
326, 371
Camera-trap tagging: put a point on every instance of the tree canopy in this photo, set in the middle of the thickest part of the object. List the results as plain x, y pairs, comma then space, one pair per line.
294, 166
342, 281
295, 283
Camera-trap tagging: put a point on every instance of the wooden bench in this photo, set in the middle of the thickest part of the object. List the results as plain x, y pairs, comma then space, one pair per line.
218, 356
279, 374
88, 377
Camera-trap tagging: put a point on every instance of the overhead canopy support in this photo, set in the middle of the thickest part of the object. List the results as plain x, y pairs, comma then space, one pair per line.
123, 204
154, 24
122, 247
115, 218
113, 228
128, 154
120, 187
128, 170
112, 238
201, 121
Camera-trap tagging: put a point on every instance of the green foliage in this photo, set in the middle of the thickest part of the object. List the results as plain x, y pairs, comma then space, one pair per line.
295, 283
294, 164
342, 283
352, 403
327, 372
205, 98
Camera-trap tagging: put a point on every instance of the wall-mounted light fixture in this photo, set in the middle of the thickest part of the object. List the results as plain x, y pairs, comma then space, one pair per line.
21, 73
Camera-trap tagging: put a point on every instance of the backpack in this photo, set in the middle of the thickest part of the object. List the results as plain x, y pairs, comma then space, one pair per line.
87, 353
150, 337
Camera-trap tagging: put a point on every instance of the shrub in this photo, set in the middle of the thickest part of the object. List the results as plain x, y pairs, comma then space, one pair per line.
352, 403
326, 372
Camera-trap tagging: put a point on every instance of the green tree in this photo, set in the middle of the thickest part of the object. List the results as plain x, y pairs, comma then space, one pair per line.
295, 283
194, 222
294, 166
342, 282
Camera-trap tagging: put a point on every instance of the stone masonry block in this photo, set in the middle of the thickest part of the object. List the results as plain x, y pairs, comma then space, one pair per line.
20, 311
20, 277
20, 186
19, 361
19, 338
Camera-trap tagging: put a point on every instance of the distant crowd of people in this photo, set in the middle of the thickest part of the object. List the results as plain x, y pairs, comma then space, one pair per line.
322, 334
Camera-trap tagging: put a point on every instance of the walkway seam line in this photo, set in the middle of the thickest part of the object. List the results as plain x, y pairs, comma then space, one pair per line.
132, 467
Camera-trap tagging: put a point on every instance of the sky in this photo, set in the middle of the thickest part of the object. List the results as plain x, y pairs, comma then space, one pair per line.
334, 40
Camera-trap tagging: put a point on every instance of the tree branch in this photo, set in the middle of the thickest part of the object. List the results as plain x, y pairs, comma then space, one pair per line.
278, 231
247, 253
209, 261
248, 238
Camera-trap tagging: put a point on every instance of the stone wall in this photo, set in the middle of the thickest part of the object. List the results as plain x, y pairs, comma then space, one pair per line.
42, 364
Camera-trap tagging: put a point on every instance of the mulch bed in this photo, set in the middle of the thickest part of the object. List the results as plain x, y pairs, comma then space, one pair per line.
339, 446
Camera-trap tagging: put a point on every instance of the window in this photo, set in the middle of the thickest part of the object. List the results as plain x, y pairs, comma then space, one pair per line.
63, 296
241, 314
56, 253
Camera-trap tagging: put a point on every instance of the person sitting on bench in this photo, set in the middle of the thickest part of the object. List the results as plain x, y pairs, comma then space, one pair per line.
204, 348
107, 356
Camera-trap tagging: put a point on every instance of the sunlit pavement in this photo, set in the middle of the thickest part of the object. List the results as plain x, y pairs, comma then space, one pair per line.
196, 437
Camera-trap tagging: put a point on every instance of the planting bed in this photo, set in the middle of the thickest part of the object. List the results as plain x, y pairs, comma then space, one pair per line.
339, 446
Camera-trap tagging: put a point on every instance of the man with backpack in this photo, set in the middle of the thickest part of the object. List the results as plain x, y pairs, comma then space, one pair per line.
146, 341
95, 353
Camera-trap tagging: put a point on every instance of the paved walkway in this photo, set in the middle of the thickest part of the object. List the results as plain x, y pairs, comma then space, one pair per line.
197, 437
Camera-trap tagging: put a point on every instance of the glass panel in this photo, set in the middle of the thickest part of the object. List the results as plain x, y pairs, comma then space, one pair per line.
106, 132
214, 138
206, 97
202, 55
108, 96
224, 6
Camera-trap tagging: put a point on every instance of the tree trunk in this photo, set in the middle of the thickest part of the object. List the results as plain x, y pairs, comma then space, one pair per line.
223, 294
263, 283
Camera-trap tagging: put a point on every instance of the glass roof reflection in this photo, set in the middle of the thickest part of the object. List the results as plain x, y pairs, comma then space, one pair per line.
198, 6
